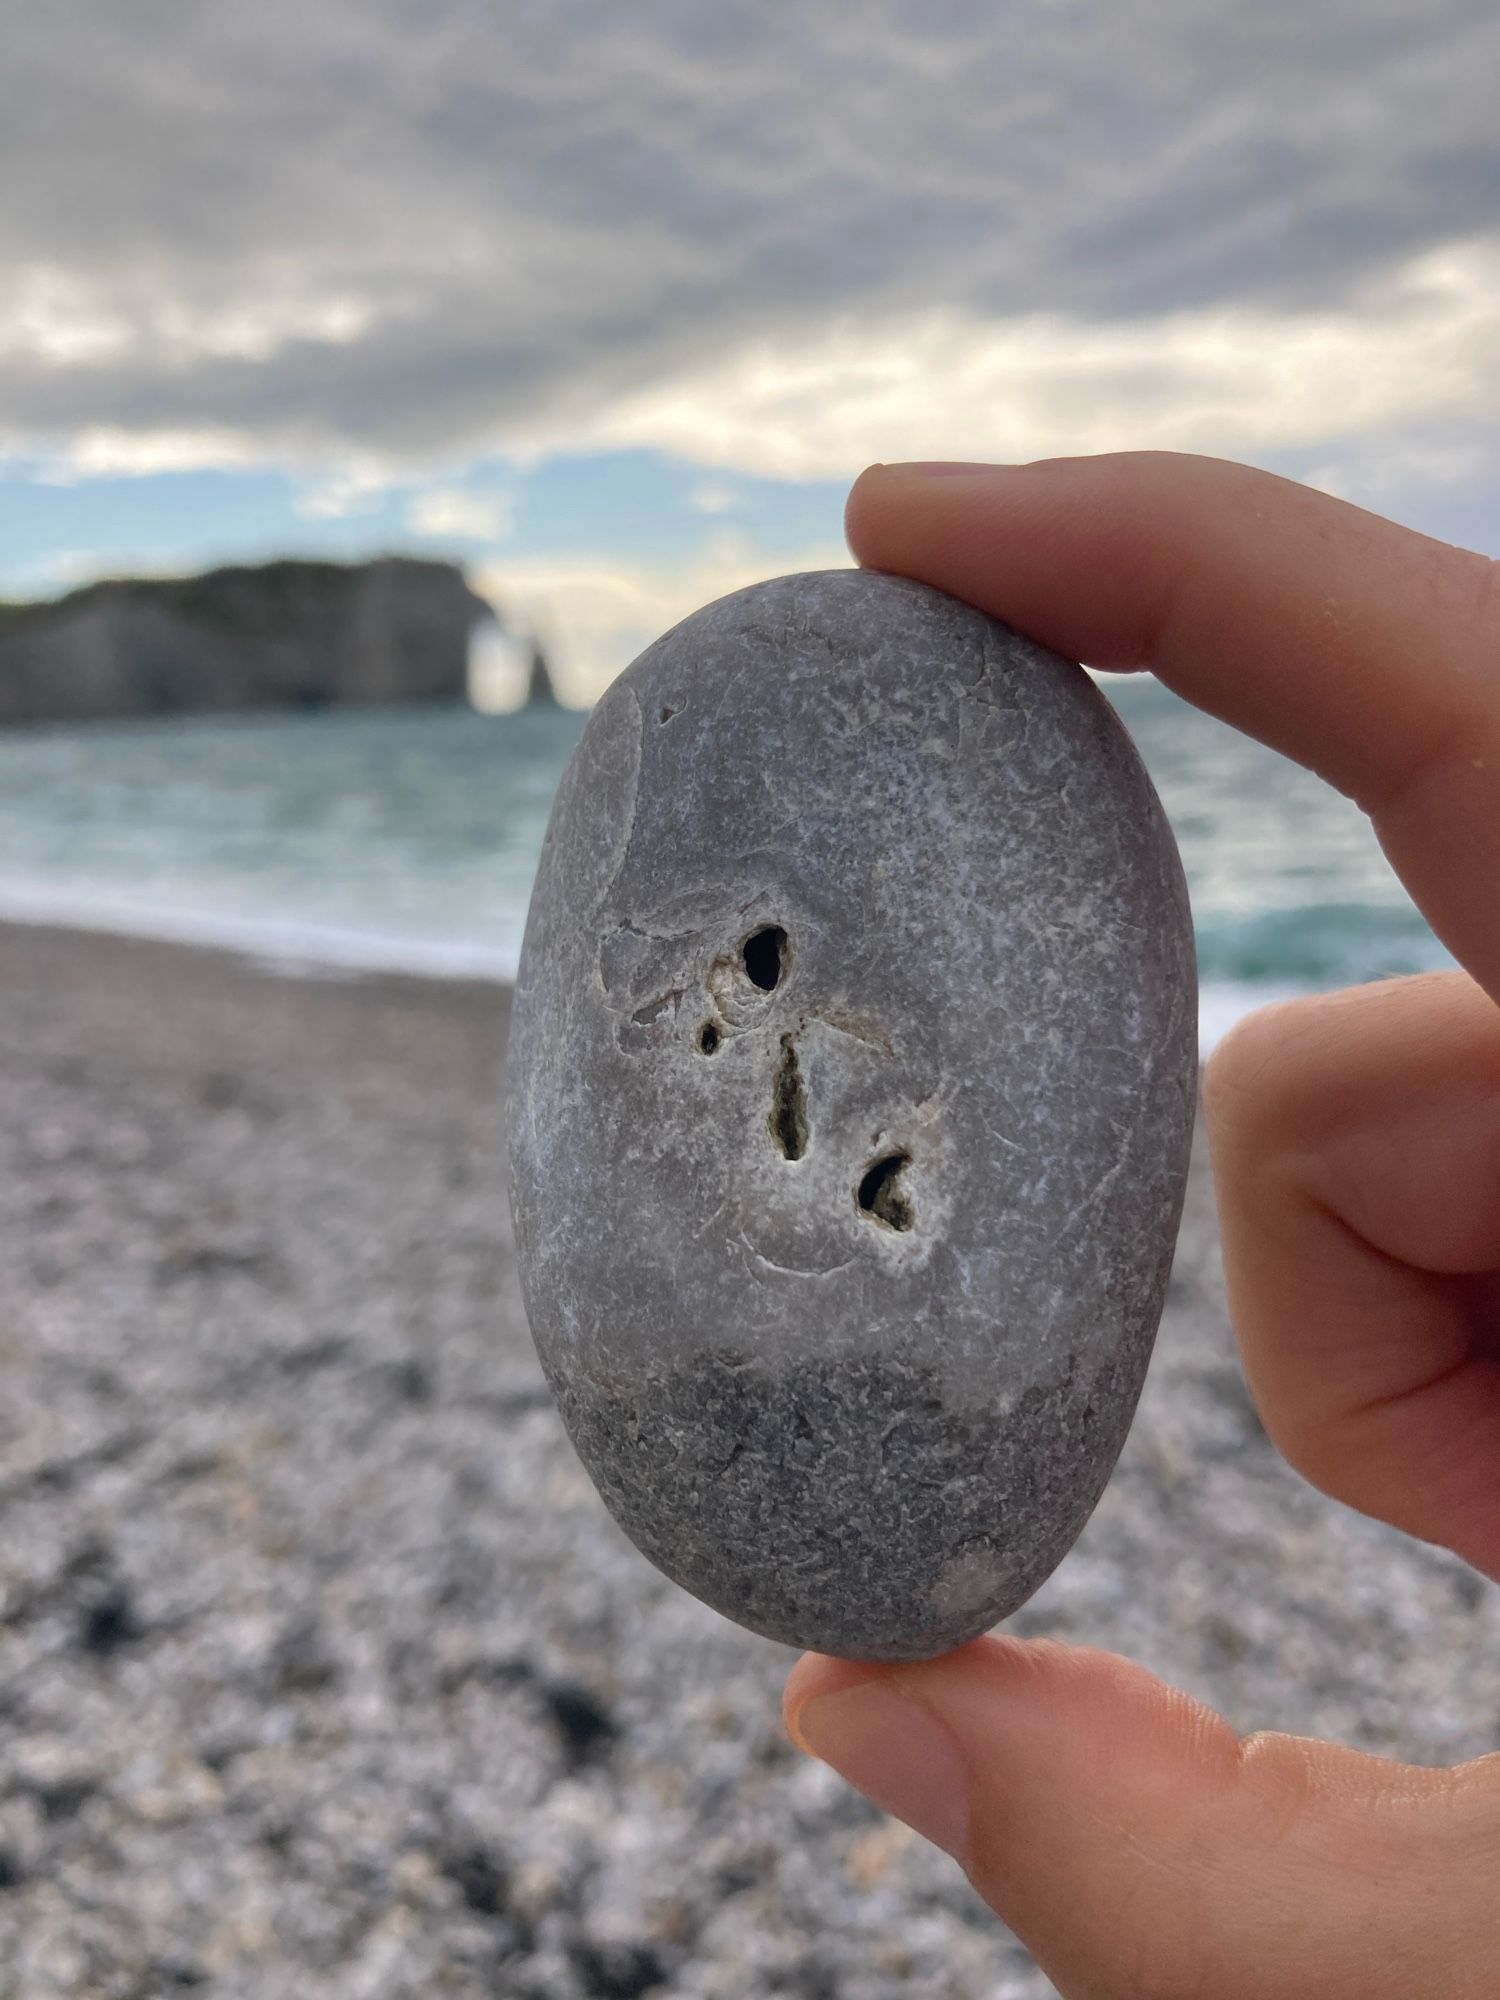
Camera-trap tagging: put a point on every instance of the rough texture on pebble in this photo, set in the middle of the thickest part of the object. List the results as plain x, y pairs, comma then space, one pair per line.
850, 1095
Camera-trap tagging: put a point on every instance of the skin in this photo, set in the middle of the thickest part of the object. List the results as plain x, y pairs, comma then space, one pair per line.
1132, 1839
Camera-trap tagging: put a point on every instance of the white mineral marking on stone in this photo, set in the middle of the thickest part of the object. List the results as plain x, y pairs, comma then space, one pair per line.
965, 1583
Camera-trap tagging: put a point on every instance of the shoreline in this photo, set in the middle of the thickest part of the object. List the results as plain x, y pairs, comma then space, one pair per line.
320, 952
295, 949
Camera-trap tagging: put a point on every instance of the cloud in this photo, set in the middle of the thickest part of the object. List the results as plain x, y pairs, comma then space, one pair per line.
1421, 347
713, 496
594, 613
66, 567
109, 451
457, 514
422, 230
348, 489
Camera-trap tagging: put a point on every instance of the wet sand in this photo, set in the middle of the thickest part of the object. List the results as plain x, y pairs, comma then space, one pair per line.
321, 1667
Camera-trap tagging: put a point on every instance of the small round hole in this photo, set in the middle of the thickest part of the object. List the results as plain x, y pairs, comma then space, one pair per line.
709, 1038
881, 1195
765, 957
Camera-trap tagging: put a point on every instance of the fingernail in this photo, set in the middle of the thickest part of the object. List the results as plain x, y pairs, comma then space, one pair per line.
944, 468
897, 1754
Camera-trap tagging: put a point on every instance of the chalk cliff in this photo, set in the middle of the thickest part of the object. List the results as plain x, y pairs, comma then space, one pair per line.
287, 634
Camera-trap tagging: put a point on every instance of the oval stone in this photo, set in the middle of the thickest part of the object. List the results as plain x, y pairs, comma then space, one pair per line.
851, 1083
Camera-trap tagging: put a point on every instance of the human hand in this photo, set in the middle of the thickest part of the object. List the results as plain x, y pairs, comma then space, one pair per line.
1139, 1847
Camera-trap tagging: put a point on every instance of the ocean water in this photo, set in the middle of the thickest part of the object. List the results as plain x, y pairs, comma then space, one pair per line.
407, 839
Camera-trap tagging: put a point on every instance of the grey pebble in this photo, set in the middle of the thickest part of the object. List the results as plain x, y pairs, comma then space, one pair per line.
851, 1088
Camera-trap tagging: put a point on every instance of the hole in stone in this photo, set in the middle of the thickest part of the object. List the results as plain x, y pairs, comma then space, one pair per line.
788, 1119
765, 957
653, 1010
668, 710
709, 1038
882, 1196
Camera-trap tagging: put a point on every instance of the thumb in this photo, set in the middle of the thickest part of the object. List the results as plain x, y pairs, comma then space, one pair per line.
1143, 1851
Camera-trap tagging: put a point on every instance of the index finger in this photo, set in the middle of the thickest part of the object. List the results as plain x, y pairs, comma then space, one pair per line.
1363, 650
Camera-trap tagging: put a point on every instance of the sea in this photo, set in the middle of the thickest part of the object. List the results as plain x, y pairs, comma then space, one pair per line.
405, 840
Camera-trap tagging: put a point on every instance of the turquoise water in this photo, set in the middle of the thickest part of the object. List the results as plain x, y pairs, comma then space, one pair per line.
407, 839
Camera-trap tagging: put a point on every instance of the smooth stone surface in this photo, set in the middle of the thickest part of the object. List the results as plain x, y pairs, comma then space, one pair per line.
851, 1083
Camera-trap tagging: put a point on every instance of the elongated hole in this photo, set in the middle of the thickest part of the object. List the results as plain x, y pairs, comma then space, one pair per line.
788, 1119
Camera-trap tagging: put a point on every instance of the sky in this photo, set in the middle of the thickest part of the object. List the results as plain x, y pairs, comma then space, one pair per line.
610, 304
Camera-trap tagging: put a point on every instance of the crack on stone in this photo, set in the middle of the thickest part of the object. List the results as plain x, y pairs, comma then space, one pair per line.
652, 1011
982, 688
1101, 1185
788, 1117
628, 929
635, 801
1000, 1138
728, 688
625, 976
844, 1024
792, 1270
700, 1233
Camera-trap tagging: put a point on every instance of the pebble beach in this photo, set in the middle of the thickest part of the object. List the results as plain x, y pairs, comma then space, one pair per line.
323, 1669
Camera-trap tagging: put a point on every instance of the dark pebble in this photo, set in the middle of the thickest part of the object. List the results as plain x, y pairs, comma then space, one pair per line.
109, 1622
617, 1971
584, 1727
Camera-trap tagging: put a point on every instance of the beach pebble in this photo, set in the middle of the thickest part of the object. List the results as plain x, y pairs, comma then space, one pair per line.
850, 1090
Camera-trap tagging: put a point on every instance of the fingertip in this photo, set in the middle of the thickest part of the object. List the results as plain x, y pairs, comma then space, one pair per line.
895, 1751
1046, 1714
983, 1667
858, 510
999, 1752
816, 1675
885, 500
1129, 1837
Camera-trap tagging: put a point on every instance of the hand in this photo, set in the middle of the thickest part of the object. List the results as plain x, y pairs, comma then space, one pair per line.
1138, 1846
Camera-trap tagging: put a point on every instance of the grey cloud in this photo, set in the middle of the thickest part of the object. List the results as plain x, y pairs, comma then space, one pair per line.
546, 206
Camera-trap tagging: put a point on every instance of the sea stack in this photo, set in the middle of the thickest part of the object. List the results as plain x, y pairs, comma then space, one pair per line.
540, 692
850, 1091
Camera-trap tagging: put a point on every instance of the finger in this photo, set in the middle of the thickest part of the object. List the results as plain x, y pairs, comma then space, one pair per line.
1356, 1142
1365, 651
1138, 1847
